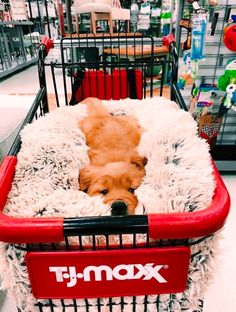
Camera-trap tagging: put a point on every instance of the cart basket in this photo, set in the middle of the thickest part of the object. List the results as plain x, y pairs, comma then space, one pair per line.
159, 226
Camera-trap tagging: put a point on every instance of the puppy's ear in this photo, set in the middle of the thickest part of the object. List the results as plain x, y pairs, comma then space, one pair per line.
138, 161
85, 177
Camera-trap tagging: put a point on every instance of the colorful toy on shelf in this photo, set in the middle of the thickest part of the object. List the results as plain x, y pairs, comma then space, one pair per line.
229, 76
186, 72
230, 35
209, 127
227, 82
209, 123
205, 96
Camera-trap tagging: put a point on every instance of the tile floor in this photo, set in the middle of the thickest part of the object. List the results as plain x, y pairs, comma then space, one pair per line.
24, 82
221, 294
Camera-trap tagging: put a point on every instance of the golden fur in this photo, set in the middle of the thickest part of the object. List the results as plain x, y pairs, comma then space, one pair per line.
115, 169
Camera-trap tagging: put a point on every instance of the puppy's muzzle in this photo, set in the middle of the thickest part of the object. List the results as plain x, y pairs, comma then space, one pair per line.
119, 208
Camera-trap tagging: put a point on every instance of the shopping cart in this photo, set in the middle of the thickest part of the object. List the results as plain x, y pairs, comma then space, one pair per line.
66, 276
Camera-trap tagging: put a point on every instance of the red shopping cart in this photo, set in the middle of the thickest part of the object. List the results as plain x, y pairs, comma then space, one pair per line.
62, 275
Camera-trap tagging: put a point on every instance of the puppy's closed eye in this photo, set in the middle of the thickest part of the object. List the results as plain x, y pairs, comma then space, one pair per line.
131, 190
104, 192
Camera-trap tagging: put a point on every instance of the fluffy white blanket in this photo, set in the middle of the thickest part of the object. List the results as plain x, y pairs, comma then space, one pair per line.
178, 178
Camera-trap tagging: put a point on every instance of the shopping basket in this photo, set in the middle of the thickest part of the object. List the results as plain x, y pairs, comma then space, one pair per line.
131, 275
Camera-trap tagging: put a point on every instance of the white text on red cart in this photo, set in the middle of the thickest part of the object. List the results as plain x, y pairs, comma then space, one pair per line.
104, 272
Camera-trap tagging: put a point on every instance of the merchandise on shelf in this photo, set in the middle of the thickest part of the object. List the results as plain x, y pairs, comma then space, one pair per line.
227, 82
153, 17
198, 35
230, 35
186, 71
134, 9
144, 16
186, 23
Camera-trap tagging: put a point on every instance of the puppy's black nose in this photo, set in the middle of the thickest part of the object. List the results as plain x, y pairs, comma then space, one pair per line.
119, 208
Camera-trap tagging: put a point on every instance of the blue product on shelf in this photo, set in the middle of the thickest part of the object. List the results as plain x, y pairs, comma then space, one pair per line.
198, 36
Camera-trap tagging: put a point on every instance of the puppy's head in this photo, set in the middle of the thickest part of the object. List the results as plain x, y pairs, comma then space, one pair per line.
116, 182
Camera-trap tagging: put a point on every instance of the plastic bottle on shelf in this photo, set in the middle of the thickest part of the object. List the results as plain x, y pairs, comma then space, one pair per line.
134, 9
144, 16
198, 36
166, 17
155, 20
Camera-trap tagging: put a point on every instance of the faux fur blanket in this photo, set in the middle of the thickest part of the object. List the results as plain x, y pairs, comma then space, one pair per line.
178, 178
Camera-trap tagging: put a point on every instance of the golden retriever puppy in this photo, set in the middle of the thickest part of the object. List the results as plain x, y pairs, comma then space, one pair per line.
115, 169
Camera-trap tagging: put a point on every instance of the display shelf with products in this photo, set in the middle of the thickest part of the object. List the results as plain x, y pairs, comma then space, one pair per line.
18, 46
203, 64
22, 24
153, 17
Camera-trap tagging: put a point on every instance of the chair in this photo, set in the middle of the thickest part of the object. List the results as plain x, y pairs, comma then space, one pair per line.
100, 10
120, 14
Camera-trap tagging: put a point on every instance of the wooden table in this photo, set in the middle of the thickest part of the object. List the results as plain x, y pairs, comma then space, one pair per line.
137, 52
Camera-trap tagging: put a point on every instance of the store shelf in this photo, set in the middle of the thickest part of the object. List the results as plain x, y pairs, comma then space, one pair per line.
18, 46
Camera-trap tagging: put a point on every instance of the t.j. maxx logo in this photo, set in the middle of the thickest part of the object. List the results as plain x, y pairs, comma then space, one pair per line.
104, 272
108, 273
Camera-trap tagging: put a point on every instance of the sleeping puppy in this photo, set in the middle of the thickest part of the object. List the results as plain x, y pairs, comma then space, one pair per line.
115, 168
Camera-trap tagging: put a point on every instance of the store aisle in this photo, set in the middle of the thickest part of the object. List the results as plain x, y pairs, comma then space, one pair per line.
221, 296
